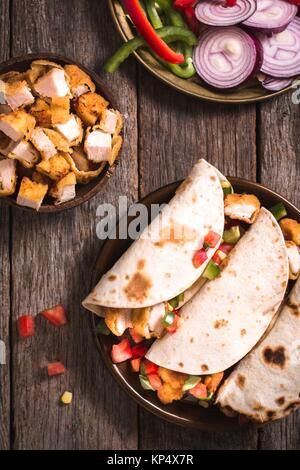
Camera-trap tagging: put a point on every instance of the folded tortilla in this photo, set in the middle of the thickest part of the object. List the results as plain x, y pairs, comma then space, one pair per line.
159, 265
265, 386
229, 315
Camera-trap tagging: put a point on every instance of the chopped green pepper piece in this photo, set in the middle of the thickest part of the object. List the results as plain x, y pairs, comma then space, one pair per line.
232, 235
145, 383
212, 271
168, 319
153, 14
208, 398
279, 211
191, 382
227, 188
102, 328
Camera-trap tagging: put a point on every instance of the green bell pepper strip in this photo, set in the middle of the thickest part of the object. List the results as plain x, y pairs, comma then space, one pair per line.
169, 34
153, 14
279, 211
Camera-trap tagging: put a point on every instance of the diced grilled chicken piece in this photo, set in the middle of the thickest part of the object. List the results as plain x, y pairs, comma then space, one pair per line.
80, 159
171, 389
244, 207
118, 320
43, 144
72, 130
17, 125
55, 168
6, 144
64, 190
108, 122
60, 109
25, 153
18, 94
41, 112
89, 108
8, 177
52, 84
4, 108
98, 146
80, 82
294, 259
31, 194
291, 230
39, 178
58, 140
157, 313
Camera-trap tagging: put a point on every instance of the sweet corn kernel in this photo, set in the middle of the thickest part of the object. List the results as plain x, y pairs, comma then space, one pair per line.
67, 398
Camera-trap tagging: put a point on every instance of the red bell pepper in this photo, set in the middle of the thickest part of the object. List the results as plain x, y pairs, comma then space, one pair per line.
26, 326
175, 325
190, 18
55, 315
135, 336
199, 391
212, 239
136, 364
150, 367
182, 4
121, 352
199, 258
146, 30
226, 248
55, 368
138, 351
155, 381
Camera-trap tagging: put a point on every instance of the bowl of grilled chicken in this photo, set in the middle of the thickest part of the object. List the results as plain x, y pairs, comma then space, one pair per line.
60, 133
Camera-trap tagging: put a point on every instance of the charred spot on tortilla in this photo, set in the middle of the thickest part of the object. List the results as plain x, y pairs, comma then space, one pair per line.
204, 368
295, 309
187, 182
127, 277
194, 198
292, 406
213, 178
273, 224
271, 414
275, 357
240, 381
112, 277
243, 332
138, 287
191, 340
280, 401
141, 264
257, 288
220, 323
181, 364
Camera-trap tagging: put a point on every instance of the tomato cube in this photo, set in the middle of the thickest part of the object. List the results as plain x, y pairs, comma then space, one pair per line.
26, 326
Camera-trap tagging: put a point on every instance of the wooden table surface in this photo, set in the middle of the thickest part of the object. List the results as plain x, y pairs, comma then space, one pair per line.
48, 259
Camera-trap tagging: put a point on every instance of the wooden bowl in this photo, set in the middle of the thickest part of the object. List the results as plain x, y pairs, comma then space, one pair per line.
185, 414
83, 192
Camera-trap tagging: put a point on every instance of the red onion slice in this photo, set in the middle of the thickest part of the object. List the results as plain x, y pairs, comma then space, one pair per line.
282, 51
276, 84
271, 16
226, 57
216, 13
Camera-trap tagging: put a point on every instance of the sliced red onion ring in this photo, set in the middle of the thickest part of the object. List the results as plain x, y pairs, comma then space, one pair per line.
276, 84
216, 13
271, 16
282, 52
226, 57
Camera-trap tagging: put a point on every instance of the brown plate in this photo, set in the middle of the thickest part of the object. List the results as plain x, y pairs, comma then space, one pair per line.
250, 92
185, 414
83, 192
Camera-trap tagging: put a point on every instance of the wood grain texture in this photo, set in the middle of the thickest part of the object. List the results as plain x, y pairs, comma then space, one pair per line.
53, 257
174, 132
279, 151
4, 268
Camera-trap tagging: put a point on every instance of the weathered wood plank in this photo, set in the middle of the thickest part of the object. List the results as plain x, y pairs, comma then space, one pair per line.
280, 158
53, 257
175, 131
4, 269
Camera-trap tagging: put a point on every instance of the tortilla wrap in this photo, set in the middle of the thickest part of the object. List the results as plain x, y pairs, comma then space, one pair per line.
265, 385
228, 316
148, 273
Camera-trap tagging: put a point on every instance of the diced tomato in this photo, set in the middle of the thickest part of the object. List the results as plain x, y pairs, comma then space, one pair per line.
138, 351
135, 336
226, 248
212, 239
150, 367
199, 258
175, 325
121, 352
55, 368
155, 381
219, 256
199, 391
136, 364
190, 18
55, 315
180, 4
26, 326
